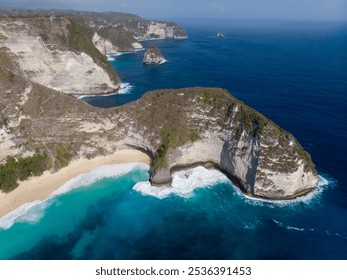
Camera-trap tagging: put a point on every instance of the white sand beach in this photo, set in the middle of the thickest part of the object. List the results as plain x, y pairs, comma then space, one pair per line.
40, 188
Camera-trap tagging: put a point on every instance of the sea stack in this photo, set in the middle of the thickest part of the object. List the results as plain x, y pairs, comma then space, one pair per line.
153, 56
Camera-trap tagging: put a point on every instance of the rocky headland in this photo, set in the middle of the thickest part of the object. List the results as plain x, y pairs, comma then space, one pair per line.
153, 55
66, 50
43, 126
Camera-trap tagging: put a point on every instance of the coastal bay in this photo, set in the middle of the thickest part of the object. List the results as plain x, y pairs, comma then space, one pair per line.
40, 188
124, 217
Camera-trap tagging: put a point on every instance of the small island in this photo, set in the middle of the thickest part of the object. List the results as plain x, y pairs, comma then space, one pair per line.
44, 127
153, 55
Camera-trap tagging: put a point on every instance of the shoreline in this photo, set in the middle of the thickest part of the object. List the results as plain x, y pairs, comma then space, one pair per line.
41, 187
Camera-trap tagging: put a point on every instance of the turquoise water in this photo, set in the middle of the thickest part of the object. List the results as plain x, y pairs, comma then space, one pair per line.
108, 219
294, 73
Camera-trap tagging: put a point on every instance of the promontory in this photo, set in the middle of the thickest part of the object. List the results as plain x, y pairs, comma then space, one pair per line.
43, 125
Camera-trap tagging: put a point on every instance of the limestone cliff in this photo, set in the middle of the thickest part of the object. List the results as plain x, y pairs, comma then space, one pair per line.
177, 128
104, 45
57, 52
153, 56
66, 50
44, 58
202, 125
123, 30
117, 37
147, 30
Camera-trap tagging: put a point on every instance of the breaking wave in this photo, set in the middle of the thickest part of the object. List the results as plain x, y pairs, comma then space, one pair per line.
34, 211
323, 183
291, 227
183, 183
27, 213
125, 88
110, 58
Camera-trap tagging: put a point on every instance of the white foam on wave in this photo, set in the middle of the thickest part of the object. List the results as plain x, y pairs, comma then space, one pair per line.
291, 227
34, 211
125, 88
139, 50
27, 213
105, 171
110, 58
183, 183
163, 61
122, 53
323, 183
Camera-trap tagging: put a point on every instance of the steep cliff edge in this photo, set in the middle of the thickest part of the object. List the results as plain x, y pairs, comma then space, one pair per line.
66, 50
57, 52
201, 125
123, 30
177, 128
120, 39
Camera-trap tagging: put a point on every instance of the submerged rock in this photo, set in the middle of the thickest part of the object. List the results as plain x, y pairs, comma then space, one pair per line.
153, 56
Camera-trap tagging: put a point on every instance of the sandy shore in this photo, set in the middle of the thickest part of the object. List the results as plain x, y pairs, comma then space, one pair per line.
40, 188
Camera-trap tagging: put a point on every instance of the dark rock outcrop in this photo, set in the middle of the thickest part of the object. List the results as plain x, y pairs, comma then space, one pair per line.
153, 56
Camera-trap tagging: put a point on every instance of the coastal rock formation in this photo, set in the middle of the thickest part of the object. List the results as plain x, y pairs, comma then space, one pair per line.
44, 58
123, 30
119, 38
204, 125
153, 56
160, 30
57, 52
177, 128
66, 50
103, 45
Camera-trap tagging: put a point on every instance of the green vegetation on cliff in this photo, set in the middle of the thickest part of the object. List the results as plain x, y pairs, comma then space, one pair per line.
181, 116
63, 156
21, 169
172, 139
80, 40
118, 37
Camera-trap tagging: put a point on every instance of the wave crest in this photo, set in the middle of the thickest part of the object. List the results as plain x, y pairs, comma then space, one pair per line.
291, 227
323, 183
27, 213
183, 183
110, 58
34, 211
125, 88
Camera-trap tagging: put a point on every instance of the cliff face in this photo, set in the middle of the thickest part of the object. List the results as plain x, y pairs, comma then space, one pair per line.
153, 56
157, 30
44, 57
57, 52
119, 38
210, 126
177, 128
123, 30
66, 50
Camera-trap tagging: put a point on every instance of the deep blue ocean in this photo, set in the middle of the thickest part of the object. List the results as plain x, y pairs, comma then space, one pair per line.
293, 73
